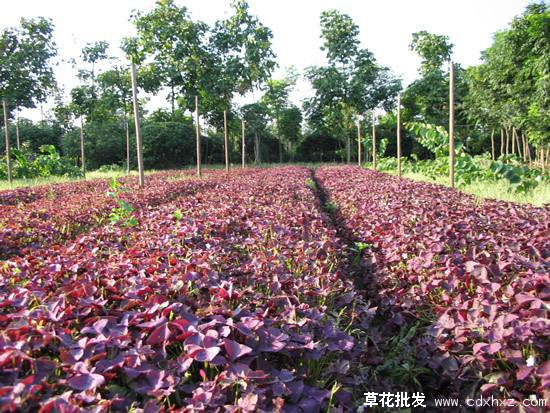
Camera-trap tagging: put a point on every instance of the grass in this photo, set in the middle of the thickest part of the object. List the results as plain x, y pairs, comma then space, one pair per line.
501, 190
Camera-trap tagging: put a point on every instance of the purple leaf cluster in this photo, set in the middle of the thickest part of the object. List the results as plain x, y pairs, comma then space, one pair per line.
239, 304
475, 273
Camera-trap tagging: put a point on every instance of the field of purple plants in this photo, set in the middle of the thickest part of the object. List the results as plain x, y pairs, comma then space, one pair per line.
284, 289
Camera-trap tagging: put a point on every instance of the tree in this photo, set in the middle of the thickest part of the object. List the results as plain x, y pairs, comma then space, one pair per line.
350, 84
234, 56
511, 88
176, 46
426, 100
26, 75
276, 101
255, 115
26, 53
434, 50
116, 97
289, 127
91, 54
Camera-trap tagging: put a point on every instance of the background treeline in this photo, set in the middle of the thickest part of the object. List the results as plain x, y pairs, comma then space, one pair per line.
501, 104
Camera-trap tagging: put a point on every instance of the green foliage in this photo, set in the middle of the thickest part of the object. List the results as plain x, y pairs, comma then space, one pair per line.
28, 165
433, 49
26, 74
123, 213
473, 169
432, 137
352, 82
340, 37
178, 215
512, 87
191, 58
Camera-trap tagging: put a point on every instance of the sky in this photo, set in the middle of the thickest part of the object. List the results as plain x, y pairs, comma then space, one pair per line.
385, 29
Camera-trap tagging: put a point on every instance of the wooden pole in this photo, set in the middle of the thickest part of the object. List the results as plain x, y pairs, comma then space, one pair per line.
127, 145
243, 144
529, 152
138, 129
399, 135
451, 126
7, 136
493, 144
373, 142
513, 140
17, 140
501, 141
524, 147
359, 143
198, 136
82, 157
225, 140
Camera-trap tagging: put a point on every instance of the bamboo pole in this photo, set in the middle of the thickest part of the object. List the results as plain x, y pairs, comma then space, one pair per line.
529, 152
524, 147
198, 136
373, 142
493, 144
359, 143
225, 141
7, 136
138, 129
399, 135
451, 126
243, 144
127, 145
82, 154
501, 141
17, 140
513, 140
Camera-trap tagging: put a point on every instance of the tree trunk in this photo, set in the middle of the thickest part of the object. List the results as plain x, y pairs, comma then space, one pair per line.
493, 144
8, 152
280, 151
517, 143
257, 157
172, 100
507, 142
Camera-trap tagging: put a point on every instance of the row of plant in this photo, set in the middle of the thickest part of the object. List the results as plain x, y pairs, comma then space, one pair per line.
461, 286
55, 213
232, 299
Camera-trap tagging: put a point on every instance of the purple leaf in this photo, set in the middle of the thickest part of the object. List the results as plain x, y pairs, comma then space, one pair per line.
89, 381
235, 350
